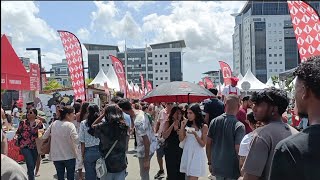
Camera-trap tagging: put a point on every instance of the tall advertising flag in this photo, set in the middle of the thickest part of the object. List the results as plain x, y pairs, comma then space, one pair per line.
72, 49
118, 68
34, 77
149, 86
200, 83
306, 26
142, 81
226, 72
209, 83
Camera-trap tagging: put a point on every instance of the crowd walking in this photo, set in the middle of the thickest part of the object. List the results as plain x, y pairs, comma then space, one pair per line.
241, 137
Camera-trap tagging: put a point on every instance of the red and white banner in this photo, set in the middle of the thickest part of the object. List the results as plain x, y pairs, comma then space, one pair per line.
306, 26
226, 72
149, 86
142, 81
72, 49
200, 83
34, 77
209, 83
118, 68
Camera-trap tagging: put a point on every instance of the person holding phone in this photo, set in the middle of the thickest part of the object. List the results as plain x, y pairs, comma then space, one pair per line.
193, 132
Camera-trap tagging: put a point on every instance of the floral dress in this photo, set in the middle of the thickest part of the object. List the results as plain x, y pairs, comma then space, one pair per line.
27, 135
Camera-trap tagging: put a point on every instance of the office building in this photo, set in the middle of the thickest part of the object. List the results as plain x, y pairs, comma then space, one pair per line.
215, 76
164, 61
61, 73
263, 39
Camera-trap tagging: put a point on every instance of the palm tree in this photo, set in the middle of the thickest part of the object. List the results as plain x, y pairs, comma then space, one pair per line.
52, 85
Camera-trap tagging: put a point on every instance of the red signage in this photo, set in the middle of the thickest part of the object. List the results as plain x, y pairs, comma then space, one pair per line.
306, 26
118, 68
142, 81
200, 83
72, 49
226, 72
149, 86
34, 77
209, 83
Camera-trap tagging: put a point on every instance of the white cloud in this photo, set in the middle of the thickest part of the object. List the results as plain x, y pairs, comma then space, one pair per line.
83, 34
206, 27
137, 5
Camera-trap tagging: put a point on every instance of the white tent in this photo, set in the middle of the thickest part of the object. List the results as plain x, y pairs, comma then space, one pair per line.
270, 84
114, 82
255, 84
240, 77
101, 78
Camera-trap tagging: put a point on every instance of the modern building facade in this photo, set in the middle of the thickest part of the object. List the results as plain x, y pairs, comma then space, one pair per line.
61, 73
164, 61
215, 76
264, 40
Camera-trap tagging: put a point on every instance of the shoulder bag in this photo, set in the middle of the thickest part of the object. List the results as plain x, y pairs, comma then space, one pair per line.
101, 167
45, 147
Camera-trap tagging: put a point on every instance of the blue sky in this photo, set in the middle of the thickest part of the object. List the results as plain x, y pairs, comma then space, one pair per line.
206, 27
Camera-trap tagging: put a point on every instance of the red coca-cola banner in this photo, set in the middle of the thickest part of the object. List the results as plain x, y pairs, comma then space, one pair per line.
209, 83
306, 26
118, 68
226, 72
200, 83
34, 77
149, 86
72, 49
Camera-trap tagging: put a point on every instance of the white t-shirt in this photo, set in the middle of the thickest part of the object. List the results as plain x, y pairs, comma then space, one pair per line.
245, 144
15, 110
226, 91
53, 108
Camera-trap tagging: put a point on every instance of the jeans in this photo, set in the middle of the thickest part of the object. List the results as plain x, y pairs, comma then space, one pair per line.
91, 155
223, 178
116, 176
30, 156
70, 165
143, 173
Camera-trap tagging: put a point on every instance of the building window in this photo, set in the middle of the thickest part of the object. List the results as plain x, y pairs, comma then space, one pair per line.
102, 65
156, 78
276, 70
280, 24
274, 24
161, 71
275, 47
107, 57
280, 32
166, 78
281, 70
270, 55
270, 62
280, 40
280, 47
155, 56
165, 63
156, 71
161, 78
107, 64
275, 62
155, 63
165, 55
166, 70
161, 55
270, 70
269, 24
270, 47
160, 63
102, 57
275, 55
280, 62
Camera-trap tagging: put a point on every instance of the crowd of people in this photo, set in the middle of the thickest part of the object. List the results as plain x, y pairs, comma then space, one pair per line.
237, 138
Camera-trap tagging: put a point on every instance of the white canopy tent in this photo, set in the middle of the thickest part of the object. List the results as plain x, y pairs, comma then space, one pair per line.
111, 80
255, 84
270, 84
240, 77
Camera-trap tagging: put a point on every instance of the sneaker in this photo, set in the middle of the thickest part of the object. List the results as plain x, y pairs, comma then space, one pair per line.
160, 174
210, 176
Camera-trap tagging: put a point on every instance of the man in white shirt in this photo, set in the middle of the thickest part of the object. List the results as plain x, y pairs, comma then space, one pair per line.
231, 89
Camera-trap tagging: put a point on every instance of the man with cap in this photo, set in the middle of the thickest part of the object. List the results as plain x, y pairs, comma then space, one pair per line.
231, 89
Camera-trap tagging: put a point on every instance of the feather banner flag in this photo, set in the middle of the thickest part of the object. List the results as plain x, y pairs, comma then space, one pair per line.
72, 49
118, 68
200, 83
142, 81
306, 26
209, 83
226, 72
149, 86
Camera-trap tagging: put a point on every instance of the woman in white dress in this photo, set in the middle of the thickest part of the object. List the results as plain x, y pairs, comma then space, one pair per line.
193, 135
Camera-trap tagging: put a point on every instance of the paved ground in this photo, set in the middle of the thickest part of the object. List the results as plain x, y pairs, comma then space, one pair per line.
47, 169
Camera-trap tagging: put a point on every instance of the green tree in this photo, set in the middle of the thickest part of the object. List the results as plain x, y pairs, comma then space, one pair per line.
52, 85
275, 79
88, 81
288, 84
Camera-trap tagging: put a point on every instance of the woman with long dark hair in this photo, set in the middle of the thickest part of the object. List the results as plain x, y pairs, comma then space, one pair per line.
83, 114
76, 122
113, 131
172, 150
63, 145
89, 143
193, 134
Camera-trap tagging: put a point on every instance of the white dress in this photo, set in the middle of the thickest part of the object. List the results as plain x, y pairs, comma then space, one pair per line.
193, 160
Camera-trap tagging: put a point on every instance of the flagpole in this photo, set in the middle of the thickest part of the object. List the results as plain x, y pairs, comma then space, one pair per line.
125, 59
146, 56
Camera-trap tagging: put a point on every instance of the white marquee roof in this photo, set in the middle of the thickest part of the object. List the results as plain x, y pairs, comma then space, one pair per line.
254, 82
270, 84
111, 79
240, 77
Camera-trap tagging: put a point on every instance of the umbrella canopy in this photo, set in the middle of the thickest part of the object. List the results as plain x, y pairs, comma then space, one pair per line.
178, 91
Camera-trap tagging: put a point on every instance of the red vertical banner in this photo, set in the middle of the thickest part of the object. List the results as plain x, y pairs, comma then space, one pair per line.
306, 26
72, 49
209, 83
226, 72
44, 78
34, 77
142, 81
149, 86
200, 83
118, 68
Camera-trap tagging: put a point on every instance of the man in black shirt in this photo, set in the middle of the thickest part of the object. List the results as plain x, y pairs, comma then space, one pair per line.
213, 107
298, 157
